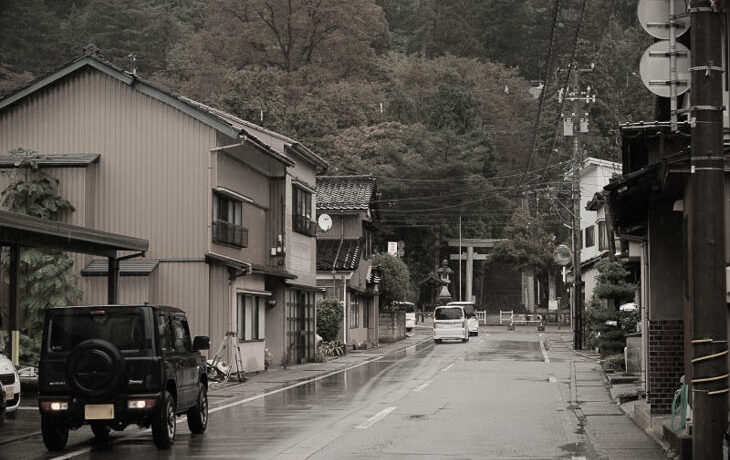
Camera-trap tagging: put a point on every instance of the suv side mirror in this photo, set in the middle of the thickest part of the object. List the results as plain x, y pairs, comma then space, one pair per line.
201, 342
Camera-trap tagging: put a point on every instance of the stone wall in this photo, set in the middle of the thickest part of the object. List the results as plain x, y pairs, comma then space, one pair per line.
392, 326
666, 363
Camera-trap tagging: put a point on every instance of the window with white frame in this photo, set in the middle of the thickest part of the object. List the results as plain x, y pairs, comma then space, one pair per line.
228, 221
251, 317
354, 311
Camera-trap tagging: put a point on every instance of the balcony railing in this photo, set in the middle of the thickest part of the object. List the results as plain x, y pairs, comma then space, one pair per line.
228, 233
303, 224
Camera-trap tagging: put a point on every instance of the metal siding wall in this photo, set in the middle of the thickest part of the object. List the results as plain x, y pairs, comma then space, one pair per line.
185, 285
219, 304
152, 179
243, 179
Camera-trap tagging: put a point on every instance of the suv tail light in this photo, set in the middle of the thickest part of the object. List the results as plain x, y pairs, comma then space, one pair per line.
140, 403
54, 406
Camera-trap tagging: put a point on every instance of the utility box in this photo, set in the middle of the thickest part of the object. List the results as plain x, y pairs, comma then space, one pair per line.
568, 127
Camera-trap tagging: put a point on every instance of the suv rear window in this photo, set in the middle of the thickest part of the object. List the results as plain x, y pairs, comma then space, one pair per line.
448, 313
125, 330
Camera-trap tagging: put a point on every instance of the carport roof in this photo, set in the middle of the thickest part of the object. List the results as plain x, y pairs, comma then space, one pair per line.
27, 231
129, 267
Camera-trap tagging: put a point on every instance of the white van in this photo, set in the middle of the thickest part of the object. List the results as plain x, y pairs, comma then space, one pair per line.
471, 316
449, 322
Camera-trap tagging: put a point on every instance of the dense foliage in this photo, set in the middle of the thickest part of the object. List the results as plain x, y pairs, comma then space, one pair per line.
395, 283
329, 318
46, 276
431, 97
606, 325
529, 247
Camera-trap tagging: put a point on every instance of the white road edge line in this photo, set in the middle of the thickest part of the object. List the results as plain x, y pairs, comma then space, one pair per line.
375, 418
422, 386
236, 403
544, 352
447, 368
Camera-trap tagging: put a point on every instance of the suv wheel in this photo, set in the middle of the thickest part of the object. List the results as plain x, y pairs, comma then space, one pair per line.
100, 430
198, 414
164, 424
55, 433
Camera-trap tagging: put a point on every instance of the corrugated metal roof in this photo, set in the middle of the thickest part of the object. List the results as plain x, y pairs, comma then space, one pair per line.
339, 254
128, 267
344, 192
224, 122
53, 161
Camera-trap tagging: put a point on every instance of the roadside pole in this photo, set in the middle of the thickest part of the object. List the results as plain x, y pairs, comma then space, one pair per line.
573, 126
706, 236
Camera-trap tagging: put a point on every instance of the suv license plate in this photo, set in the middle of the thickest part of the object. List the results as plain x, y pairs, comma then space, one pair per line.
9, 393
99, 411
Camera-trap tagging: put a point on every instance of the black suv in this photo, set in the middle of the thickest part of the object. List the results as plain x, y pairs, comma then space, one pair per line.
110, 366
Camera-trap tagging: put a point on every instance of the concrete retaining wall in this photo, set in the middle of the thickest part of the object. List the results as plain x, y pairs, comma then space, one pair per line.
392, 326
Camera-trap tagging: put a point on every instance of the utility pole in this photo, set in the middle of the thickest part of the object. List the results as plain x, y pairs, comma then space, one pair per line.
706, 235
572, 127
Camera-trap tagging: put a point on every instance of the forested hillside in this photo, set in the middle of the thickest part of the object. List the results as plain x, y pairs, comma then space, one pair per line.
429, 96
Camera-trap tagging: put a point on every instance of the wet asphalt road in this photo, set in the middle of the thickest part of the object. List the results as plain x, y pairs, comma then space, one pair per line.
500, 396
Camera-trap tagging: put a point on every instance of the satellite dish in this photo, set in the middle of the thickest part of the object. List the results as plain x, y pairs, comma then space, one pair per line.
325, 222
654, 17
654, 68
562, 255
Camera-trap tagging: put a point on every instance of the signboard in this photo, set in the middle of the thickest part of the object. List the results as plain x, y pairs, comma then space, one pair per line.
552, 305
393, 248
654, 17
655, 71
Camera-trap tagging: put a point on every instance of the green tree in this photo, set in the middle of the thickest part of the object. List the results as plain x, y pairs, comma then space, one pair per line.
607, 326
395, 284
529, 247
612, 283
46, 276
329, 318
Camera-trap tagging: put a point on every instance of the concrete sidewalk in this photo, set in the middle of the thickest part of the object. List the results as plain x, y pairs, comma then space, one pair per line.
608, 426
26, 423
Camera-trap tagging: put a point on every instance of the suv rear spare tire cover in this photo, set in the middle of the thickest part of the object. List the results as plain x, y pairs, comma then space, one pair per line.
95, 368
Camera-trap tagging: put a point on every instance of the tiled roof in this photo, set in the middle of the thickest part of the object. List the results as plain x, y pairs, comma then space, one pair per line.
339, 254
344, 192
128, 267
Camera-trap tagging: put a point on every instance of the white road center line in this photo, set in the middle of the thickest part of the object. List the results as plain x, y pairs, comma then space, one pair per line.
447, 368
375, 418
422, 386
544, 352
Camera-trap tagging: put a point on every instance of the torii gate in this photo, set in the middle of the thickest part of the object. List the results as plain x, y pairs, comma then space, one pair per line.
471, 256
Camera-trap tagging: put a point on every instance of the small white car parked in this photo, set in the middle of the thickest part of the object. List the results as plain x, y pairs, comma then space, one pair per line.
11, 383
449, 322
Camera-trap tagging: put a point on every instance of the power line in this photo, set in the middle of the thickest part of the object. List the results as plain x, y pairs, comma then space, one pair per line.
541, 103
565, 85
